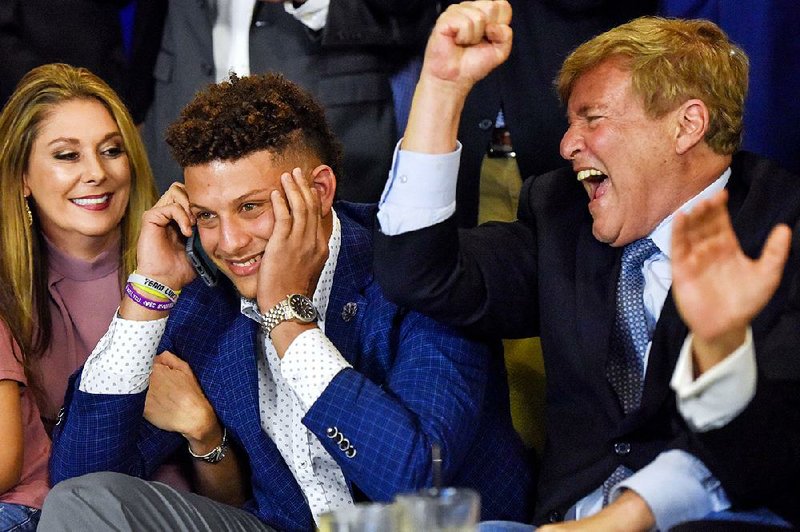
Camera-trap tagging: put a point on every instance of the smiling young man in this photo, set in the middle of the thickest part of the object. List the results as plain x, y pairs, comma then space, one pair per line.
655, 112
294, 366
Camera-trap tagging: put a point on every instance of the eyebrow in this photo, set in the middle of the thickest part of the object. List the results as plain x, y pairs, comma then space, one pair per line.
240, 199
70, 140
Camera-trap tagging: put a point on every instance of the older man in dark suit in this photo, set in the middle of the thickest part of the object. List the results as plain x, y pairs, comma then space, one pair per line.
655, 110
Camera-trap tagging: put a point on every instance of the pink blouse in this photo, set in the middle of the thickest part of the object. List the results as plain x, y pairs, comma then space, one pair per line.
32, 486
83, 298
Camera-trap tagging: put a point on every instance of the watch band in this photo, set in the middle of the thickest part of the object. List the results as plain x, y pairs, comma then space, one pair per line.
274, 316
294, 307
214, 455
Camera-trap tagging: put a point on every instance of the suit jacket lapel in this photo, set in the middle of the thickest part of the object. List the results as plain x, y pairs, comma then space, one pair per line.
347, 304
597, 269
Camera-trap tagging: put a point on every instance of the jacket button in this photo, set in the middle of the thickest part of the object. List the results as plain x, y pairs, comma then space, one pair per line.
331, 432
622, 448
344, 444
486, 124
350, 453
554, 517
207, 69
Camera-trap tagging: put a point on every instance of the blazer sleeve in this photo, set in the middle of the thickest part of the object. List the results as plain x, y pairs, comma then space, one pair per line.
433, 392
106, 433
482, 278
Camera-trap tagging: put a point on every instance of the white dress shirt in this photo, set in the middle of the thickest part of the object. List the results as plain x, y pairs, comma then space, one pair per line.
123, 359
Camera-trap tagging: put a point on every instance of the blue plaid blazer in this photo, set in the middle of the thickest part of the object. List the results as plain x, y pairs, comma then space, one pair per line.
413, 382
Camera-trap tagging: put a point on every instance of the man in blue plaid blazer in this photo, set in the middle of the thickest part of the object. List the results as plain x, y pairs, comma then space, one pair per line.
285, 421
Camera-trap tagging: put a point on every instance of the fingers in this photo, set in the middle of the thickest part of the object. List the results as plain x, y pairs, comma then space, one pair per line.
170, 360
301, 218
469, 23
775, 252
706, 229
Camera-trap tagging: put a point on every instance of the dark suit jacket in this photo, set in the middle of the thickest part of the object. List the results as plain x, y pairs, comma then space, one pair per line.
545, 31
413, 382
547, 275
346, 66
84, 33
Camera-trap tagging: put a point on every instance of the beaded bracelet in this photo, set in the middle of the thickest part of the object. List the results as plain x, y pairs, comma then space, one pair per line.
147, 303
161, 288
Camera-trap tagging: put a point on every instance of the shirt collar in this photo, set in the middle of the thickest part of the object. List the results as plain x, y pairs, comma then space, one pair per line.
662, 234
322, 293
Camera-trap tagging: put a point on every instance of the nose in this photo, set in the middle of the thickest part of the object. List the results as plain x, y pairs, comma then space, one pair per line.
232, 238
94, 172
571, 143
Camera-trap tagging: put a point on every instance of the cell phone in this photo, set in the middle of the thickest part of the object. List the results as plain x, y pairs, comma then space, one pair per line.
205, 269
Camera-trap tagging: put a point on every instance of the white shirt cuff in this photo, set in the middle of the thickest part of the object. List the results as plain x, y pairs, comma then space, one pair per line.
420, 192
122, 361
313, 13
721, 393
692, 492
309, 365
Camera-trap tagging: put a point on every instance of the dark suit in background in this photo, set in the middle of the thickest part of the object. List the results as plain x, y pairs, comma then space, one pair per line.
545, 31
346, 66
547, 275
83, 33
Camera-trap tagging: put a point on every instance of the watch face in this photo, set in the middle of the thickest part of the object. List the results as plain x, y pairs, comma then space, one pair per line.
303, 308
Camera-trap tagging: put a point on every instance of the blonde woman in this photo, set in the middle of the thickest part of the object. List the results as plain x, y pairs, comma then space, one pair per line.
74, 182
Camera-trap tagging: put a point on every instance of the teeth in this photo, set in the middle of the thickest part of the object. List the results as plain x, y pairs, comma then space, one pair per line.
247, 263
91, 201
583, 174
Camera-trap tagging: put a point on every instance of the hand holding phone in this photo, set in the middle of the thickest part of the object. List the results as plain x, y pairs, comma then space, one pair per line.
197, 256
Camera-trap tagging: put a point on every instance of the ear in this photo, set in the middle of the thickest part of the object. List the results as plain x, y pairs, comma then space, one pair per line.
26, 190
323, 181
692, 117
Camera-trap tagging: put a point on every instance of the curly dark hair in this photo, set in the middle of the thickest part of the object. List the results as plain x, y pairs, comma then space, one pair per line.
232, 119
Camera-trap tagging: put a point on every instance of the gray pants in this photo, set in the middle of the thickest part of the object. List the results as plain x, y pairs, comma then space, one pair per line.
113, 501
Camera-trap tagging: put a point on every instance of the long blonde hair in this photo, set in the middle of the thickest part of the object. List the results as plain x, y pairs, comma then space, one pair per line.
23, 264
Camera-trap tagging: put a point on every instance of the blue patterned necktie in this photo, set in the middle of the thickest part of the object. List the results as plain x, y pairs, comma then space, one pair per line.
631, 333
629, 339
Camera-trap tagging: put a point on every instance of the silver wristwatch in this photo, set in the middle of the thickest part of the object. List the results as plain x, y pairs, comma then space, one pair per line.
294, 307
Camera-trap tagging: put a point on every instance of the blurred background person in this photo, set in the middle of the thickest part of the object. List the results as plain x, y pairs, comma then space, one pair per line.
343, 52
115, 39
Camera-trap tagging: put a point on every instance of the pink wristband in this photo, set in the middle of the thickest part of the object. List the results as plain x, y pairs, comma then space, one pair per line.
139, 299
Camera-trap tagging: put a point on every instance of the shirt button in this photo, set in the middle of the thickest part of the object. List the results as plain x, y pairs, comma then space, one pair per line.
622, 448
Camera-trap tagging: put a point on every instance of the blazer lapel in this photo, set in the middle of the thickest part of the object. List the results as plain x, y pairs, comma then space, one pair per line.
597, 268
347, 305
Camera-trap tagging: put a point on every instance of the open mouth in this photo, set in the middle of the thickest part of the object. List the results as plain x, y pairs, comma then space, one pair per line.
594, 181
244, 267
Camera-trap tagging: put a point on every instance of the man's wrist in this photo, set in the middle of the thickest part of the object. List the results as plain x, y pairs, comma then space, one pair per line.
706, 353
